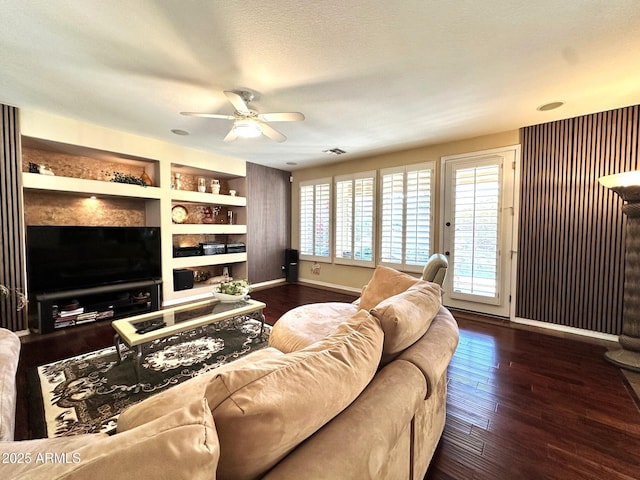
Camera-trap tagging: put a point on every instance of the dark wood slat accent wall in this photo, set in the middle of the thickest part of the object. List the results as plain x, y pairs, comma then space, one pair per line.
269, 221
12, 258
572, 230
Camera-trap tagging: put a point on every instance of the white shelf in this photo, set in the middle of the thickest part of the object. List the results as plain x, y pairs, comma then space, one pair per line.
190, 295
207, 198
208, 229
205, 260
52, 183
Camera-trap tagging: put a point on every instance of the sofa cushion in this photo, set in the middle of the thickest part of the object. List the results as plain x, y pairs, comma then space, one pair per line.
181, 445
385, 283
405, 317
307, 324
174, 398
9, 356
433, 352
263, 411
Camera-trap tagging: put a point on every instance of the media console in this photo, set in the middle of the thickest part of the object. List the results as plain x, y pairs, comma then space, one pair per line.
52, 311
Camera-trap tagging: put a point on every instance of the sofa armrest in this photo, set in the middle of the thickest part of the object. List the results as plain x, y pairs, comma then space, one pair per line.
9, 356
432, 353
376, 418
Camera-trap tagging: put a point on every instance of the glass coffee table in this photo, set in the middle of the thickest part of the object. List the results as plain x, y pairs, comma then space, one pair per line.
139, 330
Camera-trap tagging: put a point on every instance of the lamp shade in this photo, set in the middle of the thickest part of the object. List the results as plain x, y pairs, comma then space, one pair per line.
626, 184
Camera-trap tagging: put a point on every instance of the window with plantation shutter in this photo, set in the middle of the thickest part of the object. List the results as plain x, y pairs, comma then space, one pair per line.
315, 220
405, 220
354, 220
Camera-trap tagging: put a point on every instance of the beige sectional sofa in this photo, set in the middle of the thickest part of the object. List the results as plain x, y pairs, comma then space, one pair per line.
9, 356
343, 391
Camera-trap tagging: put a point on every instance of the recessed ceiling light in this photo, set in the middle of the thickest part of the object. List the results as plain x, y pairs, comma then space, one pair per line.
177, 131
550, 106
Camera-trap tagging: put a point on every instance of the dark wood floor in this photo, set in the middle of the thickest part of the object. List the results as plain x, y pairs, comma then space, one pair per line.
521, 404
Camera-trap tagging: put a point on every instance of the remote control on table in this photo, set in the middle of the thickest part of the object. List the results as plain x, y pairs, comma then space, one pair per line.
150, 327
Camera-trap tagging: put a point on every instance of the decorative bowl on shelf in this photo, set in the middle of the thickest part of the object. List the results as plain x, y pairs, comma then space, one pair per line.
224, 298
233, 291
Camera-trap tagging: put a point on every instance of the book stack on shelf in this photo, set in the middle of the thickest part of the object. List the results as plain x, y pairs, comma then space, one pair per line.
77, 316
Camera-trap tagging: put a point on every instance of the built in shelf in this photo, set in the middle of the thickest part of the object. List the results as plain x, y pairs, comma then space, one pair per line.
207, 198
81, 186
208, 229
206, 260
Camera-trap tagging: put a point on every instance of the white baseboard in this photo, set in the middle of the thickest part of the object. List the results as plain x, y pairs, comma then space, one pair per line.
563, 328
331, 286
267, 284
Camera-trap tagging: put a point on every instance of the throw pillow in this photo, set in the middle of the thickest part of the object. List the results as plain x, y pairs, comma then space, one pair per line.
174, 398
264, 410
385, 283
406, 317
181, 445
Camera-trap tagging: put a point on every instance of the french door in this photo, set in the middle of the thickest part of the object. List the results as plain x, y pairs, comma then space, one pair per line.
479, 208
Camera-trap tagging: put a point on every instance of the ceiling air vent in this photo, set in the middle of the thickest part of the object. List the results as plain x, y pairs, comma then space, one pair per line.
334, 151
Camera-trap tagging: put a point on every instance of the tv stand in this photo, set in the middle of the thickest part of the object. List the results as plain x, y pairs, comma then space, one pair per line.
56, 310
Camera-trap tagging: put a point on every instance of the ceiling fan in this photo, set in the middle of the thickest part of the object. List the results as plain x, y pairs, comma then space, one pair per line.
247, 122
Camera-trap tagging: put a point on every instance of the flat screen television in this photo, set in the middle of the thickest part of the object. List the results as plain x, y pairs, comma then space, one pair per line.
75, 257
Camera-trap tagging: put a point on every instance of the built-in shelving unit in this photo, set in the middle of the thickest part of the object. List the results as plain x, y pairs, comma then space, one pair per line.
82, 171
225, 224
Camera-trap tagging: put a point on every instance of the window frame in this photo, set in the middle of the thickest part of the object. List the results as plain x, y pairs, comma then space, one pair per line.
405, 170
353, 178
316, 183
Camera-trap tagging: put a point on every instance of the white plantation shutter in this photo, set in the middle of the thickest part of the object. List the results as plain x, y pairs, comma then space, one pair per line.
392, 218
476, 216
418, 217
355, 206
405, 230
315, 219
344, 219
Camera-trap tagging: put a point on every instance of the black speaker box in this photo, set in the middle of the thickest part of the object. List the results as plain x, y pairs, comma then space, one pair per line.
290, 256
182, 279
291, 265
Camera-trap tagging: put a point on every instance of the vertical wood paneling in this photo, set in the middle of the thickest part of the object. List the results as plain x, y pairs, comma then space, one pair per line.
572, 230
269, 221
12, 260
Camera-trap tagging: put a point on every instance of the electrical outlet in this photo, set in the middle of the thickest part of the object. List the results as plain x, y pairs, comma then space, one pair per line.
315, 269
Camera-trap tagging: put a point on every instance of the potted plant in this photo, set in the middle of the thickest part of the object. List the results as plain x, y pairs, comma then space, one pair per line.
232, 291
21, 298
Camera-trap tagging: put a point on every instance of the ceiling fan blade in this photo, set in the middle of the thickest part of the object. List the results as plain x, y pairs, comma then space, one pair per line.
281, 117
272, 133
208, 115
237, 101
231, 136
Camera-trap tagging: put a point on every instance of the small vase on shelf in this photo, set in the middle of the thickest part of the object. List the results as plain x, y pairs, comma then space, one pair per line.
215, 186
202, 185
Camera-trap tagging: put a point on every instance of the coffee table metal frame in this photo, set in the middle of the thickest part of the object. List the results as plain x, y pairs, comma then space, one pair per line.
126, 328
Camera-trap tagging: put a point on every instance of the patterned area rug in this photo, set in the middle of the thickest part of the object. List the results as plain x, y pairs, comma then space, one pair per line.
86, 393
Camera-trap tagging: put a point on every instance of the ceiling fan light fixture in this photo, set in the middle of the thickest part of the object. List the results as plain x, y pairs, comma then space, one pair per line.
247, 129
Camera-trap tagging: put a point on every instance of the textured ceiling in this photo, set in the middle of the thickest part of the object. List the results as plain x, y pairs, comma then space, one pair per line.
370, 76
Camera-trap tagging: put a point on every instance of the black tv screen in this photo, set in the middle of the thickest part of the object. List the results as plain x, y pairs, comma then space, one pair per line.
73, 257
